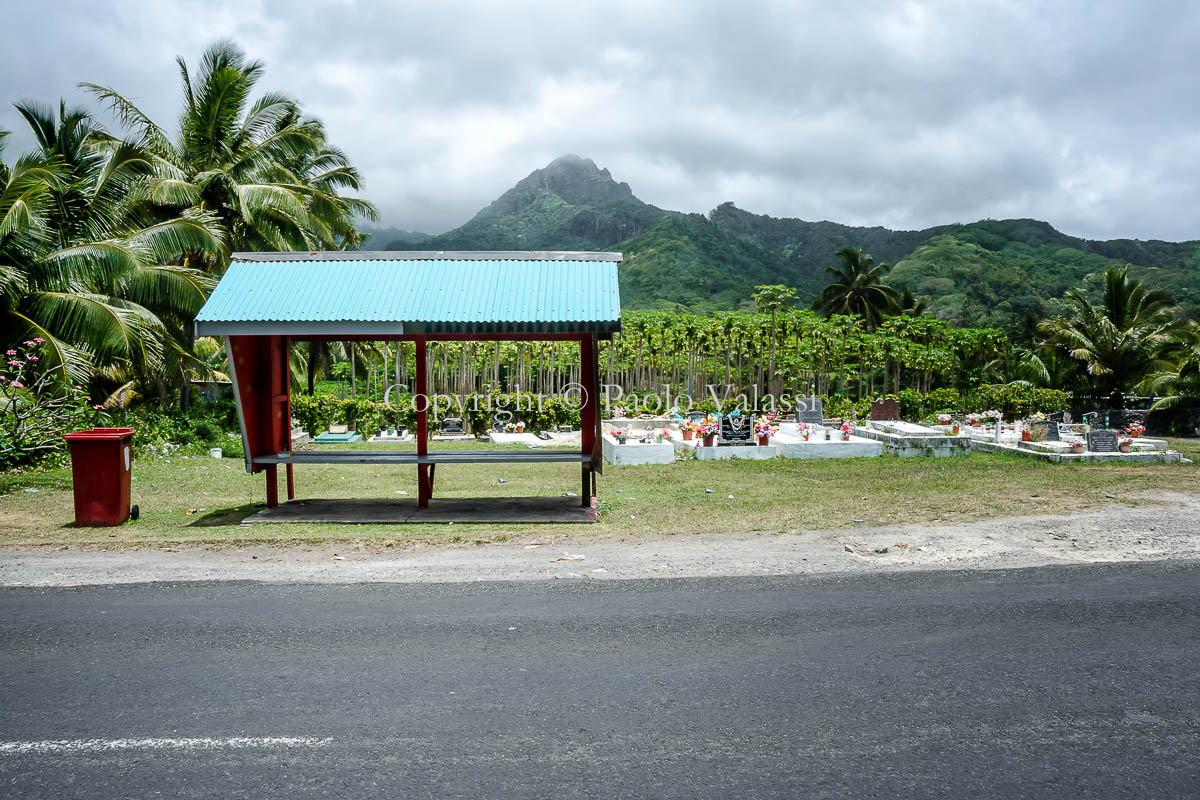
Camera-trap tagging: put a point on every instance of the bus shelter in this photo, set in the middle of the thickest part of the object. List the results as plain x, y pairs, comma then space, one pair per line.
266, 301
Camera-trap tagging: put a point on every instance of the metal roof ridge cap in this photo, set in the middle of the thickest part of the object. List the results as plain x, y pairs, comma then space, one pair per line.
428, 255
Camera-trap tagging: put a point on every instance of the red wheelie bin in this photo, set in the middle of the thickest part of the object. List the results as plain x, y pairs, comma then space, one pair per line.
100, 472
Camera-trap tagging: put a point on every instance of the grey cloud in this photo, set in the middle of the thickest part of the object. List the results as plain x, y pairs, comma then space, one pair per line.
903, 114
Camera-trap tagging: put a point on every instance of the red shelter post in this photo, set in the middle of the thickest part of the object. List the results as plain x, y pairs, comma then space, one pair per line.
424, 485
588, 415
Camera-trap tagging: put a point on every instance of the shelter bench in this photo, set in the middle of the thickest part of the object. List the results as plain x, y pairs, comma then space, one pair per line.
431, 460
411, 457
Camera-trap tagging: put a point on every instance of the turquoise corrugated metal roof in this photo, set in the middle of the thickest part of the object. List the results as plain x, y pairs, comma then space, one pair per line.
442, 294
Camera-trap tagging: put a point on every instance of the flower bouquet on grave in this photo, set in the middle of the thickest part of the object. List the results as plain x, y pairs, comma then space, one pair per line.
845, 431
1026, 431
664, 435
993, 416
804, 429
944, 419
763, 431
688, 427
619, 412
1135, 429
510, 427
707, 430
1125, 445
1077, 446
972, 419
620, 435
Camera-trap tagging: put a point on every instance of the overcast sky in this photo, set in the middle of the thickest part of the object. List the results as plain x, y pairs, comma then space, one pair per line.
897, 114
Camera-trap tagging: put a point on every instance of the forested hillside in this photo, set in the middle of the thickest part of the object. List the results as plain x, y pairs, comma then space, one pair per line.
991, 273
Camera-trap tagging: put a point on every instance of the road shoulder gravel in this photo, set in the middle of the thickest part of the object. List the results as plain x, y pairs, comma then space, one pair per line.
1155, 527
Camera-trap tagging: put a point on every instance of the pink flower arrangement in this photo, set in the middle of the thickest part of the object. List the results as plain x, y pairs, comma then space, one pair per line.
1135, 428
708, 426
763, 428
845, 428
944, 419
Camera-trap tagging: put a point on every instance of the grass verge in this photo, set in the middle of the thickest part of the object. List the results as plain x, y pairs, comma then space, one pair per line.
779, 495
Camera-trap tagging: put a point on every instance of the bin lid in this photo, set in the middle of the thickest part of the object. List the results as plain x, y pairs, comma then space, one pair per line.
99, 434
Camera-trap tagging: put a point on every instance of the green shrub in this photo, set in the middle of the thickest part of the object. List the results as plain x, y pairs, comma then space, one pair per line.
942, 401
207, 432
1016, 400
1050, 401
912, 403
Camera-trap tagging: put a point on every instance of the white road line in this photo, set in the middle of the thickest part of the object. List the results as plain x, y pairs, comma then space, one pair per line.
106, 745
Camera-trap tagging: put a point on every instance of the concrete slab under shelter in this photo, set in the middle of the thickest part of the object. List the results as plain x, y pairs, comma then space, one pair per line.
404, 510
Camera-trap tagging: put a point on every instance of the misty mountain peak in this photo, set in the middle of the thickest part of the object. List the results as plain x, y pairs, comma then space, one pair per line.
574, 179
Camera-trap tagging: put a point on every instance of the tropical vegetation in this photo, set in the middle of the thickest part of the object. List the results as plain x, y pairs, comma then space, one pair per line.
110, 242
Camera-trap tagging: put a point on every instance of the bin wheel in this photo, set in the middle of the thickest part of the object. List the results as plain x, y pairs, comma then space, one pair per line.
134, 511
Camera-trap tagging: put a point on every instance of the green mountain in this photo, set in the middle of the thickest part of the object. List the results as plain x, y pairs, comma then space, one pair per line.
571, 204
1002, 273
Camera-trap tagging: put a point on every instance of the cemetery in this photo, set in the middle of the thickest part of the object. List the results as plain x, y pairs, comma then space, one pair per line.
808, 435
505, 468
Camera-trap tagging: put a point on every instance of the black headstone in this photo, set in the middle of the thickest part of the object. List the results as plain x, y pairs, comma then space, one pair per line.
452, 425
1051, 428
810, 410
1102, 441
737, 428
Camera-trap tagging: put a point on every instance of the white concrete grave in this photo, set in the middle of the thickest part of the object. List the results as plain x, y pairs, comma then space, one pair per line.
636, 452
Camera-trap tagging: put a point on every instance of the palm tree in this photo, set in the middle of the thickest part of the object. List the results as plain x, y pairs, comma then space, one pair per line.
858, 288
268, 174
1116, 341
1177, 377
323, 171
910, 305
83, 267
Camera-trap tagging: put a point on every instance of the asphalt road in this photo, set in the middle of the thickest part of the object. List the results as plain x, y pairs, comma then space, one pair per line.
1049, 682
